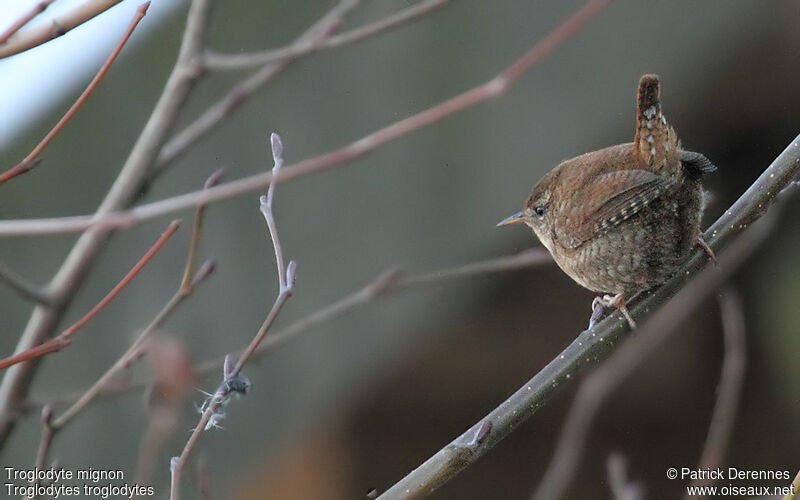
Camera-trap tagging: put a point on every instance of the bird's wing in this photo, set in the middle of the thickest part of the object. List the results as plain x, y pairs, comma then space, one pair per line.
606, 201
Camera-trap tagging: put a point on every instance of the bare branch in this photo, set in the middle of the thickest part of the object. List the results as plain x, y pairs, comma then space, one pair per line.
228, 62
33, 157
125, 190
596, 343
63, 338
186, 281
46, 441
266, 208
386, 284
185, 289
39, 35
23, 287
730, 387
600, 384
492, 88
24, 19
285, 290
245, 88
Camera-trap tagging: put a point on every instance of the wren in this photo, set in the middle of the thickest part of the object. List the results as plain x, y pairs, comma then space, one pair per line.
623, 219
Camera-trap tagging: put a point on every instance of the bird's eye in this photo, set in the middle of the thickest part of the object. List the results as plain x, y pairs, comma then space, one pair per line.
539, 211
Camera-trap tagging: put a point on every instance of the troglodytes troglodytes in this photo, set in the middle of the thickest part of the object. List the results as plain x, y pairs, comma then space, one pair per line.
623, 219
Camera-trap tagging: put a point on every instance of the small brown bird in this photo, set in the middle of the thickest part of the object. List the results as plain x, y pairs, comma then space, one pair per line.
623, 219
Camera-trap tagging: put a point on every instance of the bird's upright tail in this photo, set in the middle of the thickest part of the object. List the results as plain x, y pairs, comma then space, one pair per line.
655, 140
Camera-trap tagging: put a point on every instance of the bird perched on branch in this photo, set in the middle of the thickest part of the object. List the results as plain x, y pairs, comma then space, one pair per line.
623, 219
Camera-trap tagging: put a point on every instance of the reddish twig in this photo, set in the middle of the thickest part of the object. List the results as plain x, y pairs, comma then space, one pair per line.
388, 283
227, 62
185, 289
62, 340
492, 88
39, 35
285, 291
127, 187
24, 19
33, 157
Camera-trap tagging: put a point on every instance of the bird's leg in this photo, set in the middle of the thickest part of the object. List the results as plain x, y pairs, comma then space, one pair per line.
616, 301
707, 249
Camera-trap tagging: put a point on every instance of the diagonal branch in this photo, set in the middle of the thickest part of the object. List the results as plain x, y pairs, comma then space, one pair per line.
63, 339
228, 62
184, 290
600, 384
386, 284
596, 343
33, 157
39, 35
24, 19
245, 88
125, 190
52, 425
493, 88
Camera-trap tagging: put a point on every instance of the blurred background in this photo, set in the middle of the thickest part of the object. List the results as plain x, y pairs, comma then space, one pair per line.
359, 402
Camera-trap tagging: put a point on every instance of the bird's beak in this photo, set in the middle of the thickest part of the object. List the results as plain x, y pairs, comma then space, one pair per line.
514, 219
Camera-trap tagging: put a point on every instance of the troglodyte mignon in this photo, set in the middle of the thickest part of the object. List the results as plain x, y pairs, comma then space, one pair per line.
623, 219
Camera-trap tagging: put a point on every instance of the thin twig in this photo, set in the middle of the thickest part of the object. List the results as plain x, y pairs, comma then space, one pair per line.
492, 88
596, 343
245, 88
266, 208
186, 281
24, 19
125, 190
222, 392
33, 157
184, 290
54, 425
730, 386
386, 284
23, 287
47, 437
44, 445
39, 35
229, 62
62, 340
285, 291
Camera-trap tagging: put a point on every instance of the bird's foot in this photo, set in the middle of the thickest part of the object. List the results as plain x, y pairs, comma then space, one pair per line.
608, 301
707, 249
598, 312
